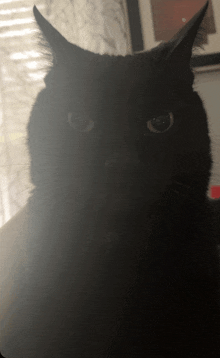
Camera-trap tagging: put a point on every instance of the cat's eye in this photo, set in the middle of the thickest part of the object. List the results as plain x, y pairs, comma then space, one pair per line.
80, 124
161, 123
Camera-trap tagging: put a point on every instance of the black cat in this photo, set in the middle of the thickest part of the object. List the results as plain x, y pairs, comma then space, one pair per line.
120, 255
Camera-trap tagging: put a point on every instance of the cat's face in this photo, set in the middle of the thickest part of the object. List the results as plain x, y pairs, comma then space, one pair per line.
130, 124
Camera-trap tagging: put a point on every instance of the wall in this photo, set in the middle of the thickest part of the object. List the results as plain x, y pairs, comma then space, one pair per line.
208, 86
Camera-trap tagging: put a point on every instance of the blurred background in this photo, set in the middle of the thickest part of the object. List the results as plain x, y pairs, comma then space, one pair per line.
102, 26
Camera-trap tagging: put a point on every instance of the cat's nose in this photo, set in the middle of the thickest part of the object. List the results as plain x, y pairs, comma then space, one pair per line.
122, 158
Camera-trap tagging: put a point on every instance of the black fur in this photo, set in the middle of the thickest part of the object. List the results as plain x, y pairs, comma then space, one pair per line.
122, 250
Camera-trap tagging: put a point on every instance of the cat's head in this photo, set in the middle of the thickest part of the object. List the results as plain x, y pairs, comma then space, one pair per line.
121, 120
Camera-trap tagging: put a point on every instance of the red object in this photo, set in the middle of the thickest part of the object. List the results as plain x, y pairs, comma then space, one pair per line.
215, 191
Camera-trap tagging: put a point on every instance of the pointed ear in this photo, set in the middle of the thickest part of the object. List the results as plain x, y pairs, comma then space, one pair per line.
59, 45
181, 44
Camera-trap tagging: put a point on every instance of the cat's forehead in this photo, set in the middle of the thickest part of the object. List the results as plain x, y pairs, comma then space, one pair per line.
115, 72
96, 65
131, 67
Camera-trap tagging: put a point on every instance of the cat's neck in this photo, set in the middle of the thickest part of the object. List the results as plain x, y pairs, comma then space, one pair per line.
179, 219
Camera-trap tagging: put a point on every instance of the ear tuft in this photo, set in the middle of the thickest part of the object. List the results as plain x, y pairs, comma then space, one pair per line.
200, 39
181, 45
62, 49
51, 36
